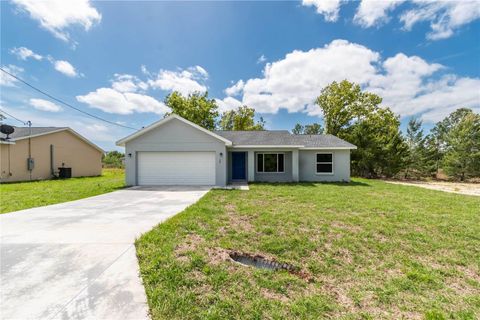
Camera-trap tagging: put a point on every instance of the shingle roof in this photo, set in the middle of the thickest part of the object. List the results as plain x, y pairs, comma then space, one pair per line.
321, 141
253, 138
22, 132
284, 138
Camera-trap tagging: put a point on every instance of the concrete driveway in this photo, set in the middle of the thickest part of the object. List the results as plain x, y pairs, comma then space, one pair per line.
76, 260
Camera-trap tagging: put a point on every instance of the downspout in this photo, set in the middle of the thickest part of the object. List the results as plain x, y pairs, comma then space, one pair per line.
29, 146
52, 169
9, 162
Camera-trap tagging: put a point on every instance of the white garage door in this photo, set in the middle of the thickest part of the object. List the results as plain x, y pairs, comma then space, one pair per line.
176, 168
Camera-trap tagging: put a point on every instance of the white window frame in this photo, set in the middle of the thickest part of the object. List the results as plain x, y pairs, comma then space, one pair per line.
264, 153
324, 162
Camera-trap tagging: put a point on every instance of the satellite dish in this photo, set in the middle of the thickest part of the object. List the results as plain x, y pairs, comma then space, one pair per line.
6, 129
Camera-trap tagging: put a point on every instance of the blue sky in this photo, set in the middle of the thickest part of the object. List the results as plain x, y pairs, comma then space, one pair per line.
118, 60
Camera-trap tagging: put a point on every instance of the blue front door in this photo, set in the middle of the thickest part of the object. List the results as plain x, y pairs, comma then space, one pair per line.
238, 166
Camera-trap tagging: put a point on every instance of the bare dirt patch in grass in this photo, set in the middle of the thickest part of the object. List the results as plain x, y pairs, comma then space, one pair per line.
237, 221
470, 273
269, 294
346, 227
472, 189
194, 243
461, 288
217, 255
339, 292
343, 255
188, 245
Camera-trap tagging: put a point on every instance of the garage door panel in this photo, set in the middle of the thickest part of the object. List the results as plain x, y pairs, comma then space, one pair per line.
176, 168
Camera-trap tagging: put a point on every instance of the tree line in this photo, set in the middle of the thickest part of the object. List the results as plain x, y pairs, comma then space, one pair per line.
113, 159
452, 145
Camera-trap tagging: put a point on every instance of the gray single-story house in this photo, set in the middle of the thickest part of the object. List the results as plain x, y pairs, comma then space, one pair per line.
175, 151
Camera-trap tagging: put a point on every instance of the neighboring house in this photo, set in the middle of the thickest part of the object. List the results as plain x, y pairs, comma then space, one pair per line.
175, 151
49, 149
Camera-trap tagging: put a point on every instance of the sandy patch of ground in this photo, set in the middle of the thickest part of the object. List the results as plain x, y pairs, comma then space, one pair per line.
472, 189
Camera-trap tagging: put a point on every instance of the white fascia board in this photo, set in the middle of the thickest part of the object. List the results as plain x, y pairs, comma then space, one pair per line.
328, 148
239, 146
161, 122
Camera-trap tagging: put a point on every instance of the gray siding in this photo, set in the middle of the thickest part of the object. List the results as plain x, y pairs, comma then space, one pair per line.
272, 176
175, 136
341, 166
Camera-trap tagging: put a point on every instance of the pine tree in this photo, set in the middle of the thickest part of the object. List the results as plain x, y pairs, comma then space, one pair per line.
298, 129
440, 131
462, 157
416, 160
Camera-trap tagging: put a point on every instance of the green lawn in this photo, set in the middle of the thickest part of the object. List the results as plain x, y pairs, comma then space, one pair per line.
374, 250
24, 195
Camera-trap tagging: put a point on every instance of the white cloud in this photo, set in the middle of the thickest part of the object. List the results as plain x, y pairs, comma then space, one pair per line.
373, 12
128, 83
62, 66
408, 84
112, 101
202, 71
435, 99
458, 93
127, 94
184, 81
45, 105
328, 8
444, 16
124, 86
25, 53
95, 127
145, 70
5, 79
294, 82
66, 68
228, 103
57, 16
261, 59
235, 89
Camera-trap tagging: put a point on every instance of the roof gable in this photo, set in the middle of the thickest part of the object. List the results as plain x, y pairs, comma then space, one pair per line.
161, 122
22, 133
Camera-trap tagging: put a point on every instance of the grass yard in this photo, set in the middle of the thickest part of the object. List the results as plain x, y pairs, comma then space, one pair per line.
24, 195
374, 250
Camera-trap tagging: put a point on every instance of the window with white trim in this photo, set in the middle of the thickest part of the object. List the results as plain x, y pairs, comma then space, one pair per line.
270, 162
324, 163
